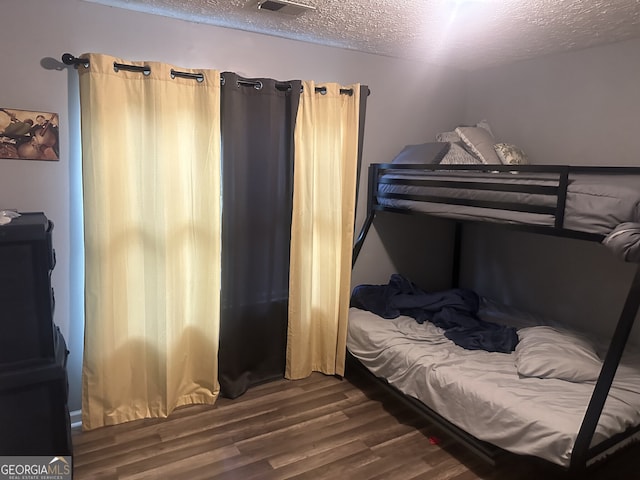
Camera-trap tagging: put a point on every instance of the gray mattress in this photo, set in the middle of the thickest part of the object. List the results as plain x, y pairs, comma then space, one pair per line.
596, 203
482, 393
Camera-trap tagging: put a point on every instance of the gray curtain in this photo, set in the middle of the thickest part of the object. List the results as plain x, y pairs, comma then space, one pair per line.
257, 123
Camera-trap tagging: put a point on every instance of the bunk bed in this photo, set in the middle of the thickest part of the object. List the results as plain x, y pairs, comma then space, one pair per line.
480, 397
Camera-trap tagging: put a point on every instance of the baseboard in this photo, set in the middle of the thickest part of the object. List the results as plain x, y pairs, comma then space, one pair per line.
76, 418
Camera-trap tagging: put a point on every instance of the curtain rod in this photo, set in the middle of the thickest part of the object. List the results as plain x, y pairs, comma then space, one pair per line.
69, 59
284, 86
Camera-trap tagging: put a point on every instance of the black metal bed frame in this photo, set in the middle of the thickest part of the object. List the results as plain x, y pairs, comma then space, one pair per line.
583, 454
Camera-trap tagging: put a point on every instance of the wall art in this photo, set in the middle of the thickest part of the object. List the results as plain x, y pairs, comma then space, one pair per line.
27, 135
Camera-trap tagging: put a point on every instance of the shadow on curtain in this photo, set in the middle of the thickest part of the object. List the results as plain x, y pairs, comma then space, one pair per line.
257, 124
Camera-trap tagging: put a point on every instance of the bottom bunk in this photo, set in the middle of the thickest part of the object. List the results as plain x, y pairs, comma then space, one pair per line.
531, 401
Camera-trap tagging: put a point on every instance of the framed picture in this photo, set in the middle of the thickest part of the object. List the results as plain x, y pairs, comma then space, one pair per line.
26, 135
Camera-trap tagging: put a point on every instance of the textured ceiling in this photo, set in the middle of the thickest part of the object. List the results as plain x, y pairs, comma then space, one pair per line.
465, 34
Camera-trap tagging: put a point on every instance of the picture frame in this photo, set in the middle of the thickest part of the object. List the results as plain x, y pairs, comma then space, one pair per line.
29, 135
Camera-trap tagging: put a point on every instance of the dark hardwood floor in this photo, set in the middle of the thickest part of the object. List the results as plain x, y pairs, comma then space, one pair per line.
317, 428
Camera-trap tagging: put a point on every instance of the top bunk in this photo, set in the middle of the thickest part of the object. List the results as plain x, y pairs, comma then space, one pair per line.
454, 178
574, 201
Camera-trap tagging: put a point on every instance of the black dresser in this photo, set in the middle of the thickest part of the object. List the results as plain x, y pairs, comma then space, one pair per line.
34, 416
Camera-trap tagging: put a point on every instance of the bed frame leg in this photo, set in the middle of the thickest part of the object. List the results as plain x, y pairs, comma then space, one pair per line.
371, 212
363, 234
457, 251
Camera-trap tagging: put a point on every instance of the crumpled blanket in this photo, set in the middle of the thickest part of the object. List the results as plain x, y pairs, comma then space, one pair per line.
624, 242
455, 311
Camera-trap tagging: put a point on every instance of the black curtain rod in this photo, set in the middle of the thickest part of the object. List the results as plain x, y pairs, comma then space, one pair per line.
69, 59
283, 86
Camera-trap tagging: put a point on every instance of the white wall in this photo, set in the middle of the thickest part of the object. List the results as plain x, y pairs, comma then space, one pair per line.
579, 108
409, 104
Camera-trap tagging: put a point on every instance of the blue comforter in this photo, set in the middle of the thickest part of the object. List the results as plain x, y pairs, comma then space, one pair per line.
455, 311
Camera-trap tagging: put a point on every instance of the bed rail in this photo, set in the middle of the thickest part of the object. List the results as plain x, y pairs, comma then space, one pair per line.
554, 192
496, 180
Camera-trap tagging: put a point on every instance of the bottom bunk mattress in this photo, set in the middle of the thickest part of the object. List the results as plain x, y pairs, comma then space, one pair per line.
484, 394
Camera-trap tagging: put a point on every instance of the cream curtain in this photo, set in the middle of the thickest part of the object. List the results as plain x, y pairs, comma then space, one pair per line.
151, 185
325, 171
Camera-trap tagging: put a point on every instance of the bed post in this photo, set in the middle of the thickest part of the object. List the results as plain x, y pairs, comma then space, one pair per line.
371, 212
561, 199
457, 251
582, 450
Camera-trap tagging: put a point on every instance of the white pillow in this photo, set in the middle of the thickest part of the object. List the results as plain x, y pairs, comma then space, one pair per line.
480, 142
454, 137
547, 352
485, 124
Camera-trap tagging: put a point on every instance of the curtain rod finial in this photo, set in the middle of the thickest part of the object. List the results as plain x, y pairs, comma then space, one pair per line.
69, 59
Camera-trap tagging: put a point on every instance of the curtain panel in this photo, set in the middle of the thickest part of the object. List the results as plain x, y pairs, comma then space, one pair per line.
151, 187
326, 170
257, 120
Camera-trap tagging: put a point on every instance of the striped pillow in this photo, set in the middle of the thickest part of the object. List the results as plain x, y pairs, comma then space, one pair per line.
458, 155
480, 142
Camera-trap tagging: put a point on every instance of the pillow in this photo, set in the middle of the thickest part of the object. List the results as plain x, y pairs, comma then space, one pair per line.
457, 155
483, 124
420, 154
547, 352
448, 137
454, 137
480, 142
510, 154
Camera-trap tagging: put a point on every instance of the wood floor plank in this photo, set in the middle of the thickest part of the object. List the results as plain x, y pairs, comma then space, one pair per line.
317, 428
218, 467
408, 444
326, 439
175, 468
317, 460
341, 468
106, 454
311, 440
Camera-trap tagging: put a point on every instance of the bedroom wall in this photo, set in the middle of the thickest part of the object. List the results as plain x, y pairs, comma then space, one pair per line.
579, 108
409, 103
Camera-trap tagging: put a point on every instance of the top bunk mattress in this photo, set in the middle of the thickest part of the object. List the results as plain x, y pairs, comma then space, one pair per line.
595, 202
